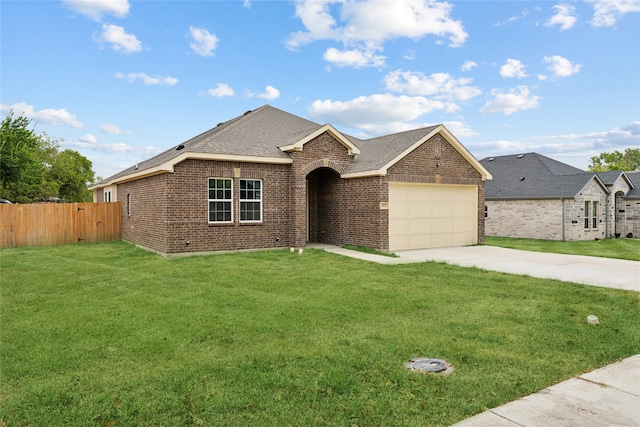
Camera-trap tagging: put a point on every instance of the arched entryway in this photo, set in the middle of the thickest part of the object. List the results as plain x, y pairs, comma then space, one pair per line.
325, 207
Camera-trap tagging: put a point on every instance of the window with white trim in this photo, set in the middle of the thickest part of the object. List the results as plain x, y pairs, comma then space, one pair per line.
220, 200
594, 215
250, 200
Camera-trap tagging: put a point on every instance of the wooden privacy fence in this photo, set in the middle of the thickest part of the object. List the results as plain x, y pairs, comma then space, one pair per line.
58, 224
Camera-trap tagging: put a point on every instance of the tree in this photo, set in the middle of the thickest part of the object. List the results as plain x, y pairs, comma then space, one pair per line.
21, 169
72, 173
32, 167
616, 161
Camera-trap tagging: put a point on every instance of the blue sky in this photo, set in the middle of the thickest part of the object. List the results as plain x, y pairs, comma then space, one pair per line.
120, 81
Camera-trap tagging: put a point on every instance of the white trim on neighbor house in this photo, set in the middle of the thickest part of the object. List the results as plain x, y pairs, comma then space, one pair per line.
298, 145
168, 167
447, 135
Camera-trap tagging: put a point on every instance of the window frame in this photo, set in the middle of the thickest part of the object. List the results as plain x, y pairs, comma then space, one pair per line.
229, 200
258, 200
586, 214
594, 214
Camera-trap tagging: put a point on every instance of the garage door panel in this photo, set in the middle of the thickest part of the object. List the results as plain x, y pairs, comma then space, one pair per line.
431, 215
421, 226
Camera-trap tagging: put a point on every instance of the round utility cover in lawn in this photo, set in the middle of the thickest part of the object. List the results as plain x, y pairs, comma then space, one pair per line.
428, 365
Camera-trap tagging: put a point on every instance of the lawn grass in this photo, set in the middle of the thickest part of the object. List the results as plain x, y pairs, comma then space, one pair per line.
609, 248
368, 250
107, 334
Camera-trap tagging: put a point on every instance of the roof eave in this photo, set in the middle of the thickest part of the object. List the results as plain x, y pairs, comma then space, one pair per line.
168, 167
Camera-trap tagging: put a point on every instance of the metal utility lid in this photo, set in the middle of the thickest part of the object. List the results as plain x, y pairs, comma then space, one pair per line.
424, 364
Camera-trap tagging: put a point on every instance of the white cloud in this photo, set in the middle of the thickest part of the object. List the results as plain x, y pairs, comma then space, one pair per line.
204, 43
575, 149
95, 9
560, 66
119, 39
146, 79
460, 129
247, 4
565, 17
48, 116
513, 68
468, 66
269, 93
606, 13
625, 136
221, 90
367, 25
440, 85
88, 138
353, 58
375, 114
517, 99
93, 144
409, 55
110, 129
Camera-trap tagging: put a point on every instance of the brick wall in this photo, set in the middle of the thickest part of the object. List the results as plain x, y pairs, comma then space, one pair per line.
527, 219
543, 219
145, 211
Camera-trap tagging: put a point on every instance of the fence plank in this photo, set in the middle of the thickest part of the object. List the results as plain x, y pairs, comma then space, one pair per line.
57, 224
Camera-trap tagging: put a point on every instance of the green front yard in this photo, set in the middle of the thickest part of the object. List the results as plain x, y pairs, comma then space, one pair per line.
107, 334
608, 248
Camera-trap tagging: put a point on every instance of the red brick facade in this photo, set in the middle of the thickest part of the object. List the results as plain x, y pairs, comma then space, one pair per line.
303, 201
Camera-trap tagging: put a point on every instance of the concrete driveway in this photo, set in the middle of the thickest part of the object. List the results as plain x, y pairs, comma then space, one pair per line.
595, 271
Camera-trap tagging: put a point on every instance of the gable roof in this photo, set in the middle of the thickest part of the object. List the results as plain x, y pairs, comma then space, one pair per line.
634, 178
534, 176
267, 135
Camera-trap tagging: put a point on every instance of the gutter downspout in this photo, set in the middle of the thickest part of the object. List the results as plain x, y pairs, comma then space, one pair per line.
562, 200
606, 218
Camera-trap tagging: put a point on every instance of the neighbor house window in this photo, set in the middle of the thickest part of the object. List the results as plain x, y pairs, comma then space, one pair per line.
586, 214
250, 200
590, 214
220, 200
107, 196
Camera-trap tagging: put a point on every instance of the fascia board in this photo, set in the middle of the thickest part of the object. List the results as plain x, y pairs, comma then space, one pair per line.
364, 174
168, 167
298, 145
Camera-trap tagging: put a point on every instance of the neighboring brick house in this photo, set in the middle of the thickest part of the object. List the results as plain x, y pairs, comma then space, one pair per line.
624, 206
271, 179
533, 196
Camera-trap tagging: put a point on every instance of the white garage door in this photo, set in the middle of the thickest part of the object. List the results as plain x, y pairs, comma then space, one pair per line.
432, 215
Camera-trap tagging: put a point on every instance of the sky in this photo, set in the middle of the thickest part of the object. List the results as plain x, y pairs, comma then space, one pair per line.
120, 81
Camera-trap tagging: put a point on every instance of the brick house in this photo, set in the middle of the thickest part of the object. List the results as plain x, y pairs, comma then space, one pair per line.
533, 196
271, 179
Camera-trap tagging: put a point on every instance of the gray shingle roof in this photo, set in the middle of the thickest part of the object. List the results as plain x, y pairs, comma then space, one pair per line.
532, 176
634, 193
377, 152
609, 178
260, 133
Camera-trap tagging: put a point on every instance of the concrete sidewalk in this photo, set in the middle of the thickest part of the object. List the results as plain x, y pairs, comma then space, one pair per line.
609, 396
